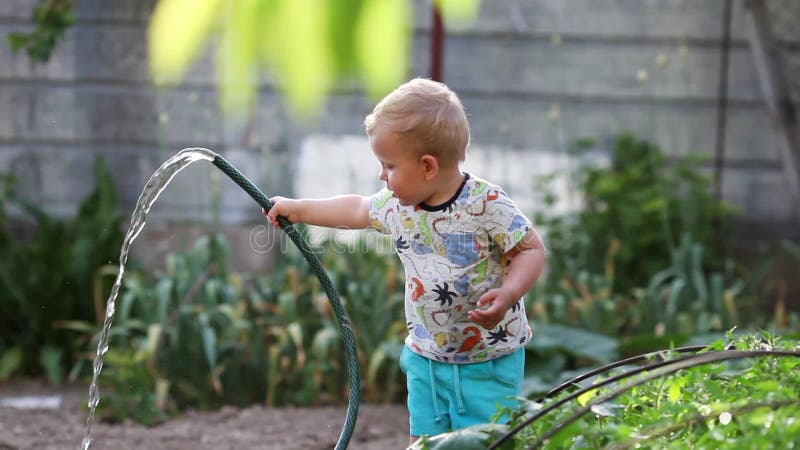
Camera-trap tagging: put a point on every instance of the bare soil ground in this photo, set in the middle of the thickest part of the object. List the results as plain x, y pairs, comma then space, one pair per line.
379, 427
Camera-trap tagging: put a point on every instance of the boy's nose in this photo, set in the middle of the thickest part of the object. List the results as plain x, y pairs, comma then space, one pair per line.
382, 175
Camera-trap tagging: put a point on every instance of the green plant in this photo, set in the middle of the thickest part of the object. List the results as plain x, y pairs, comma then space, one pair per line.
642, 203
52, 18
197, 335
192, 320
371, 288
133, 391
687, 299
557, 352
749, 400
580, 297
643, 256
47, 278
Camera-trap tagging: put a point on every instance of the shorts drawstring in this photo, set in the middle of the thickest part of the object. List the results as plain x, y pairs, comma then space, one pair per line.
436, 415
457, 388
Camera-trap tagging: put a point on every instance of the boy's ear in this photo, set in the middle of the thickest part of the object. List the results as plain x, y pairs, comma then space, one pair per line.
430, 164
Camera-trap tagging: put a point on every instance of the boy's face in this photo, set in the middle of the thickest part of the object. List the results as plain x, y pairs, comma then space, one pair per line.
401, 170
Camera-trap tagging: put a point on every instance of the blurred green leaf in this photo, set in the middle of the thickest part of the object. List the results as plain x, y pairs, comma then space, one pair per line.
50, 359
382, 40
792, 248
476, 437
302, 52
209, 336
52, 18
237, 52
586, 397
178, 30
458, 13
10, 362
593, 346
307, 45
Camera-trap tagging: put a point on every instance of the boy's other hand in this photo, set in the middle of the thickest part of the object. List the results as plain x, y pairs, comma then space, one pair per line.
282, 206
499, 300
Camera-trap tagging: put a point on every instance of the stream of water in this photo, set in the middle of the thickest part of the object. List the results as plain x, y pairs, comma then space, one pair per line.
155, 185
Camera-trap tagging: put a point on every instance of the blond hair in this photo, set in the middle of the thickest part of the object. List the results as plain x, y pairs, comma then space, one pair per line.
426, 114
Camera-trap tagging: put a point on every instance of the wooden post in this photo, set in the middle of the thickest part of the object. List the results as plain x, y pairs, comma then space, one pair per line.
437, 43
767, 61
722, 98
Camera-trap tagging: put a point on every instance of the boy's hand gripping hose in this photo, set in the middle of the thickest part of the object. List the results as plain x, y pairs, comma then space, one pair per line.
353, 369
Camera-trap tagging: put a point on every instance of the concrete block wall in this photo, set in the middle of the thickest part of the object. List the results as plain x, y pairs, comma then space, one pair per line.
585, 57
522, 63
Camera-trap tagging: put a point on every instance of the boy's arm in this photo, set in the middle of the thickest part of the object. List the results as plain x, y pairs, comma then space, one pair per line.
525, 264
344, 211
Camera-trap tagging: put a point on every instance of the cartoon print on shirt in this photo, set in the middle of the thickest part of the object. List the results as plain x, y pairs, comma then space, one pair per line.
462, 285
444, 295
417, 289
498, 336
452, 255
507, 326
418, 247
419, 331
478, 189
425, 230
480, 272
474, 339
460, 248
400, 244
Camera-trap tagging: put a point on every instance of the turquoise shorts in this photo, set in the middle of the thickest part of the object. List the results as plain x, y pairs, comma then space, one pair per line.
444, 397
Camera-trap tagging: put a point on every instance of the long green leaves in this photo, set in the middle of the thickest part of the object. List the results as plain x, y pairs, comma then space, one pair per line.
200, 336
306, 45
47, 277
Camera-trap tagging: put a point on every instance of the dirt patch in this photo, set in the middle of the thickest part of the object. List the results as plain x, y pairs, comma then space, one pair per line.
379, 427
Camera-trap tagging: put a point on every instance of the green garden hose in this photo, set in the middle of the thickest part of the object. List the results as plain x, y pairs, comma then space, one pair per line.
351, 354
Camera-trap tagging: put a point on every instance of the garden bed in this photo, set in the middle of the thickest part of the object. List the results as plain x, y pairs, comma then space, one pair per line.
378, 427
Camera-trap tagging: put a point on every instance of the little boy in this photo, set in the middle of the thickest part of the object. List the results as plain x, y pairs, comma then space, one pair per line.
469, 256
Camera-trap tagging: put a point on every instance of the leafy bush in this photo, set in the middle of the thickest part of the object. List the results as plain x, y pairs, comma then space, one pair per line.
372, 287
643, 257
200, 336
741, 403
182, 338
635, 212
312, 357
50, 278
52, 18
685, 298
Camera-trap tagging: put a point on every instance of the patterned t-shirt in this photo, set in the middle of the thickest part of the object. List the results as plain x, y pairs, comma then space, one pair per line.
453, 254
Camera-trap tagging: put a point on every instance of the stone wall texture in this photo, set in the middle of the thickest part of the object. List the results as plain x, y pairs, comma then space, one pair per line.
533, 74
